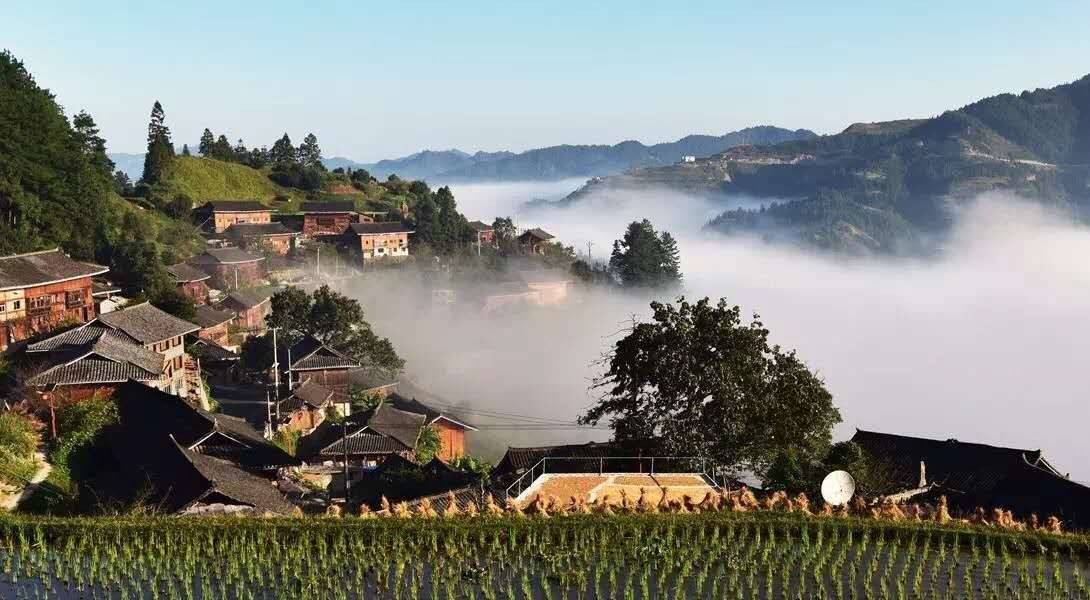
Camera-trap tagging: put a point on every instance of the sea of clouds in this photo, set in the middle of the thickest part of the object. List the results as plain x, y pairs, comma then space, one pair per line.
987, 342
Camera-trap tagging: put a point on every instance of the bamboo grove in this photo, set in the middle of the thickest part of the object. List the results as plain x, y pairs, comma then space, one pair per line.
712, 555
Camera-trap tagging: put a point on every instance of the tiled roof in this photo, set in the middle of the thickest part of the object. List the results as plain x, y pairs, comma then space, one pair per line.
234, 206
186, 273
517, 459
78, 336
979, 475
245, 488
39, 268
210, 350
250, 297
366, 443
147, 324
206, 316
401, 425
258, 229
91, 370
312, 394
161, 414
309, 354
536, 233
329, 206
479, 226
224, 256
379, 228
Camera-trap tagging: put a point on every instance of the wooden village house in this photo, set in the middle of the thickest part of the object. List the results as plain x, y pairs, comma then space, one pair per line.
535, 241
251, 307
190, 281
305, 407
214, 324
329, 218
40, 290
218, 215
311, 360
380, 240
111, 334
230, 268
259, 237
486, 234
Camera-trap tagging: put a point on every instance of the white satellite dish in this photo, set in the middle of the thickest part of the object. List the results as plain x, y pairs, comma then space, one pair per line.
838, 488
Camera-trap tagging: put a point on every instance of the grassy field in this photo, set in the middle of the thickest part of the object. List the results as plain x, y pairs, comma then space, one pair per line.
713, 555
204, 179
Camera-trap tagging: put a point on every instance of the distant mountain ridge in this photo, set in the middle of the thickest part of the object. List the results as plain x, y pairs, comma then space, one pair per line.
884, 187
565, 161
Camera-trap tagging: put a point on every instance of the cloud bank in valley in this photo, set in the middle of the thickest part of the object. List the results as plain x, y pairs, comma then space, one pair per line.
985, 343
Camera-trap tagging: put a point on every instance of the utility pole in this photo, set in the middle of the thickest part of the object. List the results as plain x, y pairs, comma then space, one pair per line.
478, 244
268, 415
236, 278
318, 263
276, 373
344, 446
590, 257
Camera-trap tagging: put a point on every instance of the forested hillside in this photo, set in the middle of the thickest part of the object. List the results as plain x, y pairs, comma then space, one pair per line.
879, 186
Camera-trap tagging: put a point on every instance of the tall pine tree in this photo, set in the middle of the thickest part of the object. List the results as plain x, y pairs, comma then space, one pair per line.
282, 152
207, 141
160, 149
644, 258
309, 154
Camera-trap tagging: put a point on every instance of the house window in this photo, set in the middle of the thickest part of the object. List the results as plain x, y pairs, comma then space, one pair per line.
16, 305
40, 302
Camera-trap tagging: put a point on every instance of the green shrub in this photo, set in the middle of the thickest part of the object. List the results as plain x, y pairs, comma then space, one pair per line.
17, 435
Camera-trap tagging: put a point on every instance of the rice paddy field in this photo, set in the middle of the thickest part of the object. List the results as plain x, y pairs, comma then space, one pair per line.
709, 555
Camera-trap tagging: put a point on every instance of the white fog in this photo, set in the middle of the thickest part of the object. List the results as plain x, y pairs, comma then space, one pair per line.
986, 343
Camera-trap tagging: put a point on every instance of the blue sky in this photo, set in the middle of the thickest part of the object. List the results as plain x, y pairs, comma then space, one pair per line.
382, 80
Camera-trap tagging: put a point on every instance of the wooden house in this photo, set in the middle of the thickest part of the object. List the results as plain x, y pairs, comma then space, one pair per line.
535, 241
41, 290
185, 460
95, 361
190, 281
230, 268
552, 285
219, 215
305, 408
486, 234
142, 325
251, 306
380, 240
329, 218
263, 236
214, 323
311, 360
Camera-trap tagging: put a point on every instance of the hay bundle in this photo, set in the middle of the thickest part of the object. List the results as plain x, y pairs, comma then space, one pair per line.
365, 511
774, 500
471, 509
333, 510
826, 510
858, 506
735, 503
627, 504
425, 509
401, 510
451, 509
490, 506
747, 498
1053, 525
539, 507
689, 504
979, 517
892, 511
915, 512
384, 505
942, 511
1034, 521
512, 508
710, 503
579, 506
802, 503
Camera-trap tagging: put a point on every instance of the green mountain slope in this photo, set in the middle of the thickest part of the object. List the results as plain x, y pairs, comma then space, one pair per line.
204, 179
878, 186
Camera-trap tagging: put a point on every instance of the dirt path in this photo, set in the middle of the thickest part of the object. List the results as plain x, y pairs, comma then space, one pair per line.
11, 501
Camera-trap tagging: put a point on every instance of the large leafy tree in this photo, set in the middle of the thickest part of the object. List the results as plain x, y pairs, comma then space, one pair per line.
282, 152
207, 142
55, 181
645, 258
333, 318
160, 148
701, 382
309, 153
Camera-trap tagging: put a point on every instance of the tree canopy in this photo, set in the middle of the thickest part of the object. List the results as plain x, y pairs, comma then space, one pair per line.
645, 258
700, 382
333, 318
160, 148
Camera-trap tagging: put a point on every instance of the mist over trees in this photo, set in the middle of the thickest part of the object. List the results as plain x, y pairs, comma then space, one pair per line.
699, 381
646, 258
